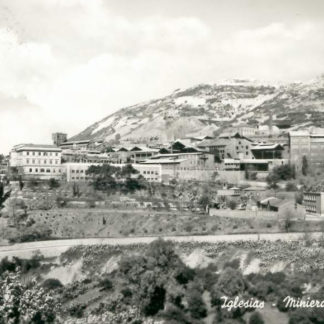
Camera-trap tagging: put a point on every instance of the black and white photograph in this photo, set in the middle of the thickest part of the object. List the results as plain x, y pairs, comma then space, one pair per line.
161, 161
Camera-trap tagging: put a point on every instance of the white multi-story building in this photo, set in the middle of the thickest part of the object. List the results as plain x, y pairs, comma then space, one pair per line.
37, 161
77, 171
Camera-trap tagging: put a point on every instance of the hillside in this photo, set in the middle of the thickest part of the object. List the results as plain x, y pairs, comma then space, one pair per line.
204, 109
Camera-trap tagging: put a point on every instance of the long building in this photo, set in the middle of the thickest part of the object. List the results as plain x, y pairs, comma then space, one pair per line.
40, 161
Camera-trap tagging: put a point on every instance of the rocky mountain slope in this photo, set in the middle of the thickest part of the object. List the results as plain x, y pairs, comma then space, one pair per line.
206, 109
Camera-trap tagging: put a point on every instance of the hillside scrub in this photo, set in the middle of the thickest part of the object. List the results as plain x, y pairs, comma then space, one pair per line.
152, 281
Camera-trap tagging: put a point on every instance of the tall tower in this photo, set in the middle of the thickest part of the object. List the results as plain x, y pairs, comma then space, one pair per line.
59, 138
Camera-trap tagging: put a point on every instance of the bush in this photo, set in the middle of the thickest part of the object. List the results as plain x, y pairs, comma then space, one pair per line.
291, 186
256, 318
184, 275
30, 234
77, 310
53, 183
174, 315
33, 184
231, 282
235, 264
105, 284
52, 283
300, 317
196, 304
232, 204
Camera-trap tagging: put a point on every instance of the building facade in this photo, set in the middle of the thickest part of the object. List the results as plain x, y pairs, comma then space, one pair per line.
59, 138
308, 144
37, 161
314, 203
235, 147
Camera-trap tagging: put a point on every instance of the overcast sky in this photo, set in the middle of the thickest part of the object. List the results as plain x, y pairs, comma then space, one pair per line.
65, 64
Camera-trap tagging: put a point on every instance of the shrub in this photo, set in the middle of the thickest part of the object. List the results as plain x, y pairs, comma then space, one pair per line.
77, 310
232, 204
105, 284
52, 283
291, 186
300, 317
230, 282
174, 315
235, 264
53, 183
196, 305
184, 275
256, 318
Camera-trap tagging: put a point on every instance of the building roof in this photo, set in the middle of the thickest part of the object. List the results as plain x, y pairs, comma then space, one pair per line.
299, 133
260, 147
254, 189
75, 142
175, 155
275, 202
163, 161
254, 161
36, 147
214, 142
232, 161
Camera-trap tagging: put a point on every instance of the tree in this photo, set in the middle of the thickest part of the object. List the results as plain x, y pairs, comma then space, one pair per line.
272, 180
230, 283
110, 178
299, 197
304, 165
76, 190
21, 184
291, 186
287, 219
53, 183
283, 172
204, 201
3, 196
232, 204
19, 304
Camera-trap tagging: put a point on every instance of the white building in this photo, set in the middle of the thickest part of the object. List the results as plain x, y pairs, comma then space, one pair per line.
77, 171
184, 166
37, 161
151, 173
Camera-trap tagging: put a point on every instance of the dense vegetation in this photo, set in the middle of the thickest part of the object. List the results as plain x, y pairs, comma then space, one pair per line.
151, 284
281, 173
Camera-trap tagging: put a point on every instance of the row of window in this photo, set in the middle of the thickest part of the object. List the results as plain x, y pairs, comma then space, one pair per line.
152, 179
80, 178
41, 153
77, 171
311, 209
150, 172
310, 197
39, 161
42, 170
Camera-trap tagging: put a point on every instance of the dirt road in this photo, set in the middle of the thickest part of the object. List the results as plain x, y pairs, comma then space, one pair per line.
56, 247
